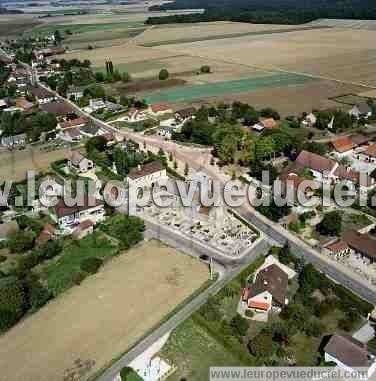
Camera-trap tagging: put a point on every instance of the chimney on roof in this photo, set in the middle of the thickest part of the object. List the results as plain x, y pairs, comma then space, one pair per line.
139, 167
265, 282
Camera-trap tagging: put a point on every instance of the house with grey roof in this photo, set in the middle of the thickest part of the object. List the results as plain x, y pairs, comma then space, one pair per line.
361, 110
350, 355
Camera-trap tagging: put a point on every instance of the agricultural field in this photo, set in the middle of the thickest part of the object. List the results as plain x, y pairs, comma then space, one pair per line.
333, 53
16, 25
15, 164
194, 92
162, 35
108, 310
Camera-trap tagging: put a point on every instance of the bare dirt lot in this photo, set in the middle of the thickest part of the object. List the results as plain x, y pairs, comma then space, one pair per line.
90, 325
15, 164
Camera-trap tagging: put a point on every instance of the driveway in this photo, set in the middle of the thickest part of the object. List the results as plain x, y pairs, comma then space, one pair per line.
365, 333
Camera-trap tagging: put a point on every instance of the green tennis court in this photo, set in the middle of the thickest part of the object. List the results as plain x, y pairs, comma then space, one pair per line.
193, 92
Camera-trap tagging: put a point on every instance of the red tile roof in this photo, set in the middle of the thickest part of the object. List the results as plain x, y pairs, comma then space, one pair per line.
159, 108
246, 293
343, 144
371, 150
258, 305
316, 162
62, 209
362, 243
146, 169
338, 246
74, 123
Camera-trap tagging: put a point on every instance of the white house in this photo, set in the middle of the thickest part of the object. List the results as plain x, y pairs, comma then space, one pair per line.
79, 163
350, 354
68, 217
147, 175
268, 291
322, 168
310, 120
361, 110
74, 93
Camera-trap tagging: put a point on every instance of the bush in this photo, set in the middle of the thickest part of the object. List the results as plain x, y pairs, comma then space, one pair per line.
249, 313
3, 258
163, 74
20, 241
205, 69
239, 325
91, 265
13, 302
261, 345
128, 374
37, 295
78, 277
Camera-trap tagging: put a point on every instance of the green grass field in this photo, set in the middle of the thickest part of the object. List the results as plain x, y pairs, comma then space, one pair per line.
194, 351
59, 274
82, 28
194, 92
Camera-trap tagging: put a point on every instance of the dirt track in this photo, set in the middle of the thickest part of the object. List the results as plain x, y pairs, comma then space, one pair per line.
91, 324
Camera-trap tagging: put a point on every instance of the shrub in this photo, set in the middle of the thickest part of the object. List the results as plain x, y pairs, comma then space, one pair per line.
78, 277
20, 241
261, 345
205, 69
37, 295
163, 74
91, 265
128, 374
239, 325
249, 313
12, 301
345, 324
3, 258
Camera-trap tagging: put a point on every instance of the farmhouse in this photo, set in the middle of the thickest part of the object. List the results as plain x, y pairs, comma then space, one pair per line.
362, 244
310, 120
349, 354
147, 174
321, 167
337, 247
79, 163
24, 104
59, 108
268, 291
361, 110
67, 216
160, 109
77, 122
370, 154
268, 123
13, 141
72, 135
74, 93
42, 95
185, 114
343, 144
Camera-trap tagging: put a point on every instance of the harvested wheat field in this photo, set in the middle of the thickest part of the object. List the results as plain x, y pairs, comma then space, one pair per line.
93, 323
202, 31
15, 164
335, 53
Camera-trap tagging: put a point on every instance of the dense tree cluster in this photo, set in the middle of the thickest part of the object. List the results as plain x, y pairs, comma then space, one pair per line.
271, 12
